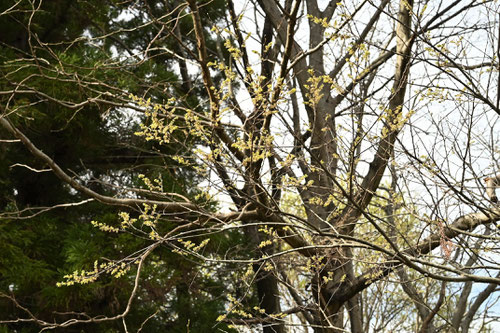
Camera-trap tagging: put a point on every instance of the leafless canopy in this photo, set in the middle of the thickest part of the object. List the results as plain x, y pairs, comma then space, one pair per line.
347, 141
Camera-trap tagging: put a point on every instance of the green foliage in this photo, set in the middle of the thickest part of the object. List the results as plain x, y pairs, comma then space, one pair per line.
99, 146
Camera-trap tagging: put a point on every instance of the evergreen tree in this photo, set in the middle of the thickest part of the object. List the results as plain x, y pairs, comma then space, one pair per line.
55, 55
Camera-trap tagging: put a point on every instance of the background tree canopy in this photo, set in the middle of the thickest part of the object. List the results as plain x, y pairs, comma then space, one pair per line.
249, 166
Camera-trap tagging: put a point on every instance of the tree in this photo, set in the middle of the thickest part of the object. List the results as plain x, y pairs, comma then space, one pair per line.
351, 141
44, 239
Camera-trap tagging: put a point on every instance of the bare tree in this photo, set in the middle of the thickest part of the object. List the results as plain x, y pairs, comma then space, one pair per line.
351, 140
